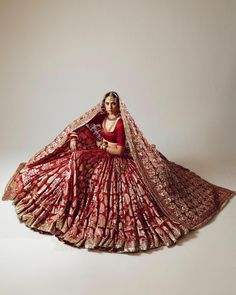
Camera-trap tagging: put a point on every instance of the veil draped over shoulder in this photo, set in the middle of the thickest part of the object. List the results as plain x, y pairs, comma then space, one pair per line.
181, 194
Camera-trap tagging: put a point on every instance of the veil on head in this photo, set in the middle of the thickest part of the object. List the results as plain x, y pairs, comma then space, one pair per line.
173, 187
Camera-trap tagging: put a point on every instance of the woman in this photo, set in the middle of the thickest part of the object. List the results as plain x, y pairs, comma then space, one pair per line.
99, 184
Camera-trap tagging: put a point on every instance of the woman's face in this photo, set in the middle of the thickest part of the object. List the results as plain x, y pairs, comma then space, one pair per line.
111, 105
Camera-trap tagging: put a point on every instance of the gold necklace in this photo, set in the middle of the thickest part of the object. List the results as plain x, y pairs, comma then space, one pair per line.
112, 119
108, 130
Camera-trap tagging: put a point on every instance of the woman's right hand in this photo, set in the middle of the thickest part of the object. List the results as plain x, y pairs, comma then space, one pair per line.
73, 144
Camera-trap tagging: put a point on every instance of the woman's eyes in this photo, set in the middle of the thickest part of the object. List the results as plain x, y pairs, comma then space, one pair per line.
113, 103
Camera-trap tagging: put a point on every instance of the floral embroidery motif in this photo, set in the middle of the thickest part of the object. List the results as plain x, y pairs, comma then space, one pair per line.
127, 203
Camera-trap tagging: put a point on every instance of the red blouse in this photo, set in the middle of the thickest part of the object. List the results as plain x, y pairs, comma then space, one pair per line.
117, 135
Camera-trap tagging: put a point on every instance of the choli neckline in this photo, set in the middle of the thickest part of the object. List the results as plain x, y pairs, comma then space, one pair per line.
104, 126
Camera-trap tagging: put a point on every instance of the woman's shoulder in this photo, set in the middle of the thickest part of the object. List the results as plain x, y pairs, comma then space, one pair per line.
119, 119
119, 123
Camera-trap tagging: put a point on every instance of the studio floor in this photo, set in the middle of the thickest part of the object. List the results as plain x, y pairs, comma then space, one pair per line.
204, 262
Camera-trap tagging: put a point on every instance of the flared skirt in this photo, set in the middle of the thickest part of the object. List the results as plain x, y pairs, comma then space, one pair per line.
90, 198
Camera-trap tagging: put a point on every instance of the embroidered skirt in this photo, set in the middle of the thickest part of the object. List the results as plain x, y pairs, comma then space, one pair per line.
92, 199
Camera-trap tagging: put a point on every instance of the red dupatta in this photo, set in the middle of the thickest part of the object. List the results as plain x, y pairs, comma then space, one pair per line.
181, 194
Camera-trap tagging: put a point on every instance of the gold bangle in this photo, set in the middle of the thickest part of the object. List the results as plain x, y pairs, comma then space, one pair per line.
73, 135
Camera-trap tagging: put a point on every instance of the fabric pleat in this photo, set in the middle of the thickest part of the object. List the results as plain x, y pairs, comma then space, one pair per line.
91, 199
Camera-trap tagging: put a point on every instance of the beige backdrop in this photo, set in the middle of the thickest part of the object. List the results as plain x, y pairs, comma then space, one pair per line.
174, 65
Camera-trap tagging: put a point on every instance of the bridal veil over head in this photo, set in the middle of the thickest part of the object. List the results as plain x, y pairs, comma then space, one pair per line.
181, 194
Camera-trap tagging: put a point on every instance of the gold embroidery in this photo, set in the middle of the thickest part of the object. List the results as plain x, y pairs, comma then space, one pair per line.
181, 195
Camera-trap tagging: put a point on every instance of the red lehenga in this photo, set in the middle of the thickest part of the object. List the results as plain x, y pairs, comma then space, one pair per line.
128, 203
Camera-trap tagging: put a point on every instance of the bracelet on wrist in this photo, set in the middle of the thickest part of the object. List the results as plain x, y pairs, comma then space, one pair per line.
73, 135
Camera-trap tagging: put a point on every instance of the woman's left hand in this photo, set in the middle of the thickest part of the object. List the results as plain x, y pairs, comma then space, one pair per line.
98, 143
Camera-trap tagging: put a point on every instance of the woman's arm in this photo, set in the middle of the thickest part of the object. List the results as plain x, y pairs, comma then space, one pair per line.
115, 150
118, 150
73, 137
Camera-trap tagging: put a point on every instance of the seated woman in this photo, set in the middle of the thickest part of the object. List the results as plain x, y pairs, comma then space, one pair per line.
99, 184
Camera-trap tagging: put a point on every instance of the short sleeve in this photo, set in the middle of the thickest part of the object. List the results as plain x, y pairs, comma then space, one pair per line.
120, 133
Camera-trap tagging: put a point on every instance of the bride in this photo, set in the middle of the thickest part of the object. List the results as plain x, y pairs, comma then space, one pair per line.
100, 185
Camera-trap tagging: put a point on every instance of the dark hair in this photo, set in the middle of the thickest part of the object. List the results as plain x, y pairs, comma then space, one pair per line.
113, 94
